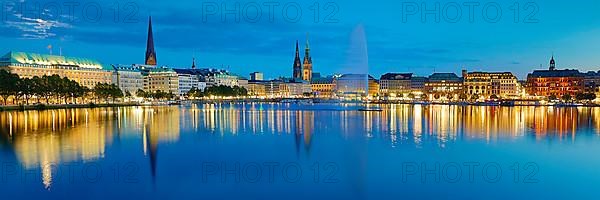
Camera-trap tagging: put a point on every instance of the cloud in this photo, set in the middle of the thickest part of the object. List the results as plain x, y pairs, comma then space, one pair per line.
30, 24
35, 28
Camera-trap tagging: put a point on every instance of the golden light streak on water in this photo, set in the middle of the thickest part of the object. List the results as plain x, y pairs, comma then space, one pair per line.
145, 140
47, 175
72, 118
10, 124
53, 120
87, 114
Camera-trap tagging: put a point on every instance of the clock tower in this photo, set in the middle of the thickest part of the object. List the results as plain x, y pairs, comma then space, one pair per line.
307, 67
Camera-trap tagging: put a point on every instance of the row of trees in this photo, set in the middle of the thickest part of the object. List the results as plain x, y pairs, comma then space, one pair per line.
221, 91
160, 95
47, 88
578, 97
108, 91
54, 89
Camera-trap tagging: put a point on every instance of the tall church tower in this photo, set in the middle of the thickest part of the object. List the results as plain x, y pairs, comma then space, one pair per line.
150, 53
307, 67
297, 64
552, 64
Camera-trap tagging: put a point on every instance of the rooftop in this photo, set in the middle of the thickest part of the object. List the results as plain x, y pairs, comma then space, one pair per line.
444, 77
129, 68
555, 73
478, 72
355, 77
13, 57
328, 80
161, 70
396, 76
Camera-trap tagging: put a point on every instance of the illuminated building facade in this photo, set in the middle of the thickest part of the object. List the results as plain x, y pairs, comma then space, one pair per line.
215, 77
444, 84
257, 88
256, 76
417, 84
86, 72
504, 84
486, 84
395, 84
323, 87
129, 78
373, 89
591, 82
553, 82
242, 82
294, 88
161, 79
188, 79
223, 78
186, 83
273, 88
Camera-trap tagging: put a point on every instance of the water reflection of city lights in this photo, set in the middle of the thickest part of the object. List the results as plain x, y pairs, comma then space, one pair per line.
40, 138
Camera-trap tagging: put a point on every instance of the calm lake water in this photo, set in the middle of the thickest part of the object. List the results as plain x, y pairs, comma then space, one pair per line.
288, 151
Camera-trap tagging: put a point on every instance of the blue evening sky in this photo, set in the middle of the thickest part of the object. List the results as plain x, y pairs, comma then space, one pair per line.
395, 39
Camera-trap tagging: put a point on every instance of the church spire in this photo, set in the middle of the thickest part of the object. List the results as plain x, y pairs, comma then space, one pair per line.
297, 63
297, 50
552, 63
194, 63
150, 53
